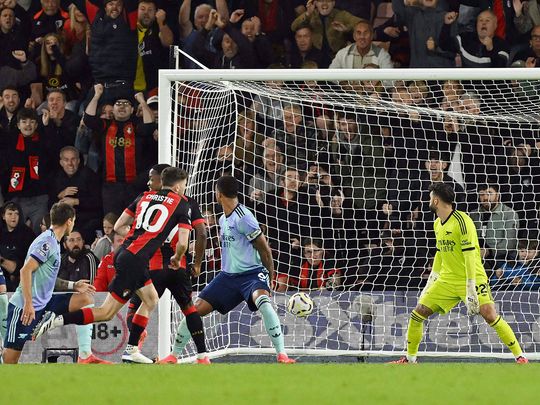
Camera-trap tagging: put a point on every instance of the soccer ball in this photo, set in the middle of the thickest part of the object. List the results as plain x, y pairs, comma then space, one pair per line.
300, 304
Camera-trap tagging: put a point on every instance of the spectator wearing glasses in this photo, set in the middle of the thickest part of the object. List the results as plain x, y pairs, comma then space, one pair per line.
121, 139
531, 56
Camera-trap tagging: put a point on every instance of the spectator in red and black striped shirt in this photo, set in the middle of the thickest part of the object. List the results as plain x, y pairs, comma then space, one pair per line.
121, 147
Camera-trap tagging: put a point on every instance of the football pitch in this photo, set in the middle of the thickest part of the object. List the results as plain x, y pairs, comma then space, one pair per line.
240, 383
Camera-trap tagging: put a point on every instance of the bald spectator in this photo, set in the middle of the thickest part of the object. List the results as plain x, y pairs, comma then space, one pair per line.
303, 50
481, 49
362, 52
331, 27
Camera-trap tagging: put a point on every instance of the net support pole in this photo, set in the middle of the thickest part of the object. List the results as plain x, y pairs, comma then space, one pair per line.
164, 156
164, 120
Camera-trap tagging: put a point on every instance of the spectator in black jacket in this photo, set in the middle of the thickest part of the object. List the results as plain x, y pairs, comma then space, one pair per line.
481, 49
79, 187
26, 168
251, 29
61, 123
303, 50
49, 19
11, 38
78, 262
8, 115
15, 239
113, 44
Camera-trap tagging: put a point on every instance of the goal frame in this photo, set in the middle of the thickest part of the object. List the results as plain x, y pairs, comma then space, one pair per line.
168, 76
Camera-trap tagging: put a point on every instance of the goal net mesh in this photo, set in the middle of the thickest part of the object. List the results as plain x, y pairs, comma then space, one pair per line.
338, 173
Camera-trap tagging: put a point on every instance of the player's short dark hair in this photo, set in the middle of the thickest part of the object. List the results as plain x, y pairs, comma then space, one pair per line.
494, 186
228, 186
312, 241
27, 113
172, 175
60, 213
444, 191
159, 168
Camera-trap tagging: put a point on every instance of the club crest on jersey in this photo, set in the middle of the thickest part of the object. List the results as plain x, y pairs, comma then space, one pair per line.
126, 293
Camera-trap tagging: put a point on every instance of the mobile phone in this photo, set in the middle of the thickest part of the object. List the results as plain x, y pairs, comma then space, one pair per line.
99, 234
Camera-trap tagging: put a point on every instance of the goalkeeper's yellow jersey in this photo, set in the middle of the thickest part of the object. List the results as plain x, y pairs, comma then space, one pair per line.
457, 234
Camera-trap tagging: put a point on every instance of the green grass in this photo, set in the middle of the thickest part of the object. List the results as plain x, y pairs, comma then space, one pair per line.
429, 383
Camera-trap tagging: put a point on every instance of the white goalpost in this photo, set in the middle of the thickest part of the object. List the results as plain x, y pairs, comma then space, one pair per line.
336, 165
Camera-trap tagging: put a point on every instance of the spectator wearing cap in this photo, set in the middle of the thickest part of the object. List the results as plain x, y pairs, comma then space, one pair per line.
303, 50
331, 27
362, 52
154, 38
79, 187
121, 147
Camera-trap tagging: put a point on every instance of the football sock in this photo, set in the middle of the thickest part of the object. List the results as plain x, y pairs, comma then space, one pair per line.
506, 334
84, 338
271, 322
414, 335
132, 309
81, 317
195, 326
138, 326
3, 315
182, 338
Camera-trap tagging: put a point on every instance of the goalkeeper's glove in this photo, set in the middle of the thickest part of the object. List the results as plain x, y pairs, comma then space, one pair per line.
433, 276
473, 306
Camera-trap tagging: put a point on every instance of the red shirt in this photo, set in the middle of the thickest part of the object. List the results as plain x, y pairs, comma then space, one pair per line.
105, 273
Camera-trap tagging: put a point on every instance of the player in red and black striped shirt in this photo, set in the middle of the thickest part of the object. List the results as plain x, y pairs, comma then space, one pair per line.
158, 216
178, 282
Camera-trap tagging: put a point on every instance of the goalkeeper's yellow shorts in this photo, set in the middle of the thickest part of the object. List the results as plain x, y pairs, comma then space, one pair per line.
441, 297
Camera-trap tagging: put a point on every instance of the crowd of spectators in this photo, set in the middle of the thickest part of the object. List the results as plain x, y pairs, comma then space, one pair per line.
342, 194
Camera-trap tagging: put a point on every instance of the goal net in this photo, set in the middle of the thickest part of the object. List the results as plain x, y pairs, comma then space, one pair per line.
336, 165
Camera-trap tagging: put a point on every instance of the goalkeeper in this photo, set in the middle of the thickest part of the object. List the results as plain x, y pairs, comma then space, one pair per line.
457, 275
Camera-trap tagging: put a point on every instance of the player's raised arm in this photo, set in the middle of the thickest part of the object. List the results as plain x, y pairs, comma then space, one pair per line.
29, 314
261, 245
